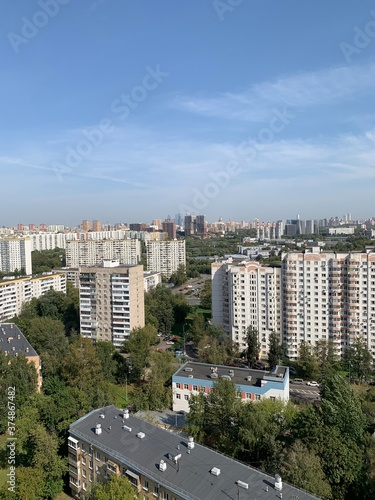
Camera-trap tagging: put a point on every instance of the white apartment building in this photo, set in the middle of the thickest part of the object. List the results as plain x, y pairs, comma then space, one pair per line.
246, 293
111, 301
165, 256
91, 252
151, 280
14, 293
15, 253
329, 296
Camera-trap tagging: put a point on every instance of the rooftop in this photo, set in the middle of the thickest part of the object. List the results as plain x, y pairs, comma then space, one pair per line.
189, 476
240, 376
13, 341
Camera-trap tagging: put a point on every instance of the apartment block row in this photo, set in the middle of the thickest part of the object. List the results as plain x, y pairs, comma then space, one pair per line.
92, 252
15, 292
314, 296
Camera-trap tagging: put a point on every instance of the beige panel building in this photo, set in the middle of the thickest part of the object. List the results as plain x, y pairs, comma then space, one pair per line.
111, 301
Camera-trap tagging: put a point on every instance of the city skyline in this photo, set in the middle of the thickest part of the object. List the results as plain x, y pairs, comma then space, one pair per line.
124, 111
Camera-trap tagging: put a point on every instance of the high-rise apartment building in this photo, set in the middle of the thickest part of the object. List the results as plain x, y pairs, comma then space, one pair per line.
111, 301
85, 225
328, 296
15, 254
96, 225
93, 252
245, 293
169, 227
315, 296
165, 256
195, 224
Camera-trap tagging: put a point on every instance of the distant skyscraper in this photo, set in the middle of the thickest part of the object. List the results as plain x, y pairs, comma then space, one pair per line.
96, 225
85, 225
195, 224
169, 227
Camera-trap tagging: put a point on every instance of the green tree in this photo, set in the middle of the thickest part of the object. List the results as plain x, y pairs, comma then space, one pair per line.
253, 344
197, 328
114, 489
307, 362
303, 467
358, 360
325, 356
139, 348
275, 350
105, 352
206, 295
179, 277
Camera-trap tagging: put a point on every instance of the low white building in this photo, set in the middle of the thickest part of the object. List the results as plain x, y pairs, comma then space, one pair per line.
252, 385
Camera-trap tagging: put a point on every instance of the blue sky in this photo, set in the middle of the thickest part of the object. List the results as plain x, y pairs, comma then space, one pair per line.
132, 110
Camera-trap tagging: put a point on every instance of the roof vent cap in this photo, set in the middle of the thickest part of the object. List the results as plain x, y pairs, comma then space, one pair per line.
141, 435
215, 471
162, 465
278, 483
191, 443
98, 429
242, 484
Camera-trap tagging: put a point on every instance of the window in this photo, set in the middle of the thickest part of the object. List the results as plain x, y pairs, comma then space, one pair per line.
186, 386
186, 397
195, 387
248, 395
272, 398
83, 473
97, 455
178, 396
178, 385
83, 461
90, 478
165, 495
145, 484
257, 397
84, 487
156, 490
90, 464
97, 470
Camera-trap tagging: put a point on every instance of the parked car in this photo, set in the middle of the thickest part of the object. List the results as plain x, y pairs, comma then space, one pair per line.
312, 383
170, 342
297, 381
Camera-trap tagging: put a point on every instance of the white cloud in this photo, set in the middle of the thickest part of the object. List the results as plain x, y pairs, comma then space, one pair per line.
298, 90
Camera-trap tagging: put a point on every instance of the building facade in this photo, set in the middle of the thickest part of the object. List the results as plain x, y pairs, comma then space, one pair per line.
165, 256
151, 280
252, 385
92, 252
111, 301
159, 464
15, 254
14, 293
14, 343
245, 293
328, 296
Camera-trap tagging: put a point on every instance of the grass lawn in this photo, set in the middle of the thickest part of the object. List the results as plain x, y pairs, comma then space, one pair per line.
199, 310
119, 392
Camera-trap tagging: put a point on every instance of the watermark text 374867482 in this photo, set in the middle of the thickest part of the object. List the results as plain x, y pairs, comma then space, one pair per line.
11, 440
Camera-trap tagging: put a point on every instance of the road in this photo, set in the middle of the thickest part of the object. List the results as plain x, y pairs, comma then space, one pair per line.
196, 284
303, 391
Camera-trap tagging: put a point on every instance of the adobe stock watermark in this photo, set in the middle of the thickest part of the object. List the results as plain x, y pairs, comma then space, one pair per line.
249, 150
222, 7
31, 27
121, 107
362, 39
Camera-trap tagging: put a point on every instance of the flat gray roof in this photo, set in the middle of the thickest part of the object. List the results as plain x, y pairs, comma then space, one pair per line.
12, 337
191, 477
203, 371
